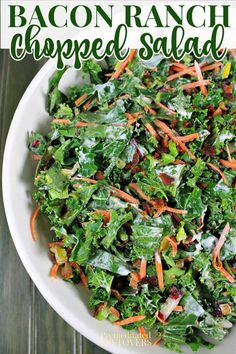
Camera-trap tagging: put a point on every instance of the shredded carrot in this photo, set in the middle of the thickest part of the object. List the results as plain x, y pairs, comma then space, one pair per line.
143, 332
114, 312
83, 278
61, 121
32, 223
159, 270
176, 211
87, 104
105, 214
195, 84
218, 170
152, 131
179, 162
161, 125
157, 341
143, 268
129, 320
212, 66
230, 164
123, 65
180, 73
173, 243
84, 124
200, 78
115, 191
187, 138
54, 270
216, 261
116, 293
81, 99
139, 191
168, 110
124, 196
151, 110
178, 308
88, 180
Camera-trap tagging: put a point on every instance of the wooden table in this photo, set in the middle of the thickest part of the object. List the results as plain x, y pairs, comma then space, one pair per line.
28, 325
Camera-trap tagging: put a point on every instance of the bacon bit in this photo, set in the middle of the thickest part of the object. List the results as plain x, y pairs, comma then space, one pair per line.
213, 66
61, 121
105, 214
159, 270
66, 271
200, 77
56, 244
129, 320
54, 270
152, 131
195, 84
143, 269
217, 169
99, 175
208, 150
32, 223
168, 110
167, 180
147, 209
161, 125
173, 243
85, 124
230, 164
187, 138
179, 308
117, 295
87, 104
36, 157
135, 279
123, 65
80, 99
83, 278
216, 261
157, 341
114, 312
143, 332
74, 265
139, 191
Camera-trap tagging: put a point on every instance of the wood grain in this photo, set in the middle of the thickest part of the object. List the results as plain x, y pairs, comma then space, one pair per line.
28, 325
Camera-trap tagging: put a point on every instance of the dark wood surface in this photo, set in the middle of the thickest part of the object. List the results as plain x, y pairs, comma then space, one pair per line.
28, 325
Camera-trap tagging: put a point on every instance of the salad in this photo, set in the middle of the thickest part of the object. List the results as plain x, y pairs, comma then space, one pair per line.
137, 177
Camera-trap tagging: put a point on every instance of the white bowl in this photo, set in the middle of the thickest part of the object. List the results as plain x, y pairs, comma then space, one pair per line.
69, 301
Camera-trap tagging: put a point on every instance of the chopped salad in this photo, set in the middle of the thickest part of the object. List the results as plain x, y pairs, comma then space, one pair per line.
137, 177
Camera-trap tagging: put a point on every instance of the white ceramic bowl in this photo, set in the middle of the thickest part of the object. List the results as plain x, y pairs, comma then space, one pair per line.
69, 301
